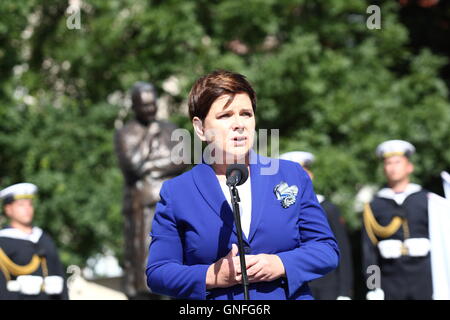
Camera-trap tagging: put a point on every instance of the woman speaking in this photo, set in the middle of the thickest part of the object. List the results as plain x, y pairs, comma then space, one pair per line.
287, 239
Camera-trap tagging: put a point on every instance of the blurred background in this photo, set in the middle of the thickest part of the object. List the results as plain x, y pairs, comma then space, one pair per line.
332, 85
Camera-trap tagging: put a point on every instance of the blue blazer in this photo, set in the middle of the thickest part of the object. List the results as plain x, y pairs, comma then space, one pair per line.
193, 227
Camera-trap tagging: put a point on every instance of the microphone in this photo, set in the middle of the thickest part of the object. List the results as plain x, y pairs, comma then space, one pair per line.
236, 174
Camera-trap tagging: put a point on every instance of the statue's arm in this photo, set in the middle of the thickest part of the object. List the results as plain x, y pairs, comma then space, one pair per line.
161, 166
131, 155
141, 160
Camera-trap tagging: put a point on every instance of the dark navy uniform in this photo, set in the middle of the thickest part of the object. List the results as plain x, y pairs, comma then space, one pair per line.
405, 264
339, 282
30, 255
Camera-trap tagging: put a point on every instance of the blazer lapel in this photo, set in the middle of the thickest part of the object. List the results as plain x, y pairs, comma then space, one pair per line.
209, 187
260, 189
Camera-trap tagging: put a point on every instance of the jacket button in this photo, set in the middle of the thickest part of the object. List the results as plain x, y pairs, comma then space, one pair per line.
247, 250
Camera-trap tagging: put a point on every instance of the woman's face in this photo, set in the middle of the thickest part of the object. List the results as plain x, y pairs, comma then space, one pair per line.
228, 127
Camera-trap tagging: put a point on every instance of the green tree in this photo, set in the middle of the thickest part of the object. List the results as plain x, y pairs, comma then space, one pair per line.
331, 85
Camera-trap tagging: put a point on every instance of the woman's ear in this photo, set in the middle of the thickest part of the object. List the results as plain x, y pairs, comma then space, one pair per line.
198, 128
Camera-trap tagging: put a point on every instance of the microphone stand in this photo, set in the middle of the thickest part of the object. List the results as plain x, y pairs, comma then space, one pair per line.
237, 220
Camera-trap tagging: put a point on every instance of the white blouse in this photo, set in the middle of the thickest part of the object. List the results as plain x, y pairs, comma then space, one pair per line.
245, 205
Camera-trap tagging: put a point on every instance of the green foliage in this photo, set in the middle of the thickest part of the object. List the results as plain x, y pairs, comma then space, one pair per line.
69, 156
332, 87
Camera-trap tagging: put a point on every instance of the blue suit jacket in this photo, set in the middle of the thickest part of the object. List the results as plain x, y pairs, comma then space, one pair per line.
194, 227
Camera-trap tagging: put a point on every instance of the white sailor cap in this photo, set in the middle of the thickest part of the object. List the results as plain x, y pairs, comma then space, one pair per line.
18, 191
395, 148
302, 157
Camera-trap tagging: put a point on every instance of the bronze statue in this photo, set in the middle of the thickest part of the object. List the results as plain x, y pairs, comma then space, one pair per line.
143, 146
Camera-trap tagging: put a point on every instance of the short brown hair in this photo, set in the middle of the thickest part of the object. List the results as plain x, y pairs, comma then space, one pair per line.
211, 86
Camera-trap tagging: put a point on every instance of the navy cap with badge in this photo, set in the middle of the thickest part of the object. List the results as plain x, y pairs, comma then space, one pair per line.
18, 191
391, 148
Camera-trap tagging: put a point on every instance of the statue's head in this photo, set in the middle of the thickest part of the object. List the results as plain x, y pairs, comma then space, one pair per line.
144, 97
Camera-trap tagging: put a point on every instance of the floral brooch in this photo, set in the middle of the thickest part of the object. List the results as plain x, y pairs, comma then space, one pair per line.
287, 194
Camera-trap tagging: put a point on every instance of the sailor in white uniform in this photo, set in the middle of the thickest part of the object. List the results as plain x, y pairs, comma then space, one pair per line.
396, 233
29, 264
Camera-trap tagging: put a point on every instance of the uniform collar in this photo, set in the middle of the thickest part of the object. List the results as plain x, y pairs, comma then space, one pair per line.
320, 198
399, 198
14, 233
